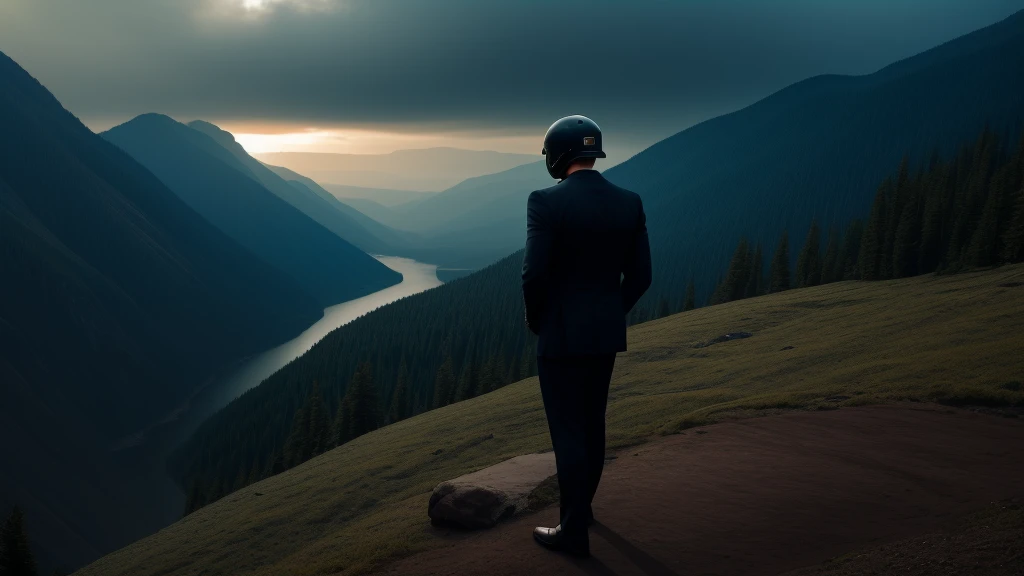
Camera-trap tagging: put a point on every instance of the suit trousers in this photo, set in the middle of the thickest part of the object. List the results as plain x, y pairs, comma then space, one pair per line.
575, 393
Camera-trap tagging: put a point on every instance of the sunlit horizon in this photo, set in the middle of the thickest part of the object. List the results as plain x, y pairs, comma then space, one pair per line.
265, 140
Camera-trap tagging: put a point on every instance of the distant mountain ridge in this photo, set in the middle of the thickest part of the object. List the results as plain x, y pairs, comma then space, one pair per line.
382, 196
425, 169
470, 225
382, 239
227, 188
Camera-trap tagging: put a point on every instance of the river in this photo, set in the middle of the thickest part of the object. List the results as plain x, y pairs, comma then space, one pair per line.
144, 454
416, 277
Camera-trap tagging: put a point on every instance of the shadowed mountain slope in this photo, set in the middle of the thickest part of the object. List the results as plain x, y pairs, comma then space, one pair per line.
212, 180
383, 239
117, 300
309, 198
817, 149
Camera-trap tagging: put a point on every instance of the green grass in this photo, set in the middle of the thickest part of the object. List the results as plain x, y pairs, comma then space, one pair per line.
953, 339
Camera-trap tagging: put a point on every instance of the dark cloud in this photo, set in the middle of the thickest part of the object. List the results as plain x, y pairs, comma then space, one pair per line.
642, 67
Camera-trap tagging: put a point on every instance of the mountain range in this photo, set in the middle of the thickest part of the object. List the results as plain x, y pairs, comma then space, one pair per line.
417, 170
382, 196
814, 150
469, 225
231, 190
817, 150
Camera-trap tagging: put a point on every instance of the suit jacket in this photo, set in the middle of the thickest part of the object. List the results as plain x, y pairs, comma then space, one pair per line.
587, 263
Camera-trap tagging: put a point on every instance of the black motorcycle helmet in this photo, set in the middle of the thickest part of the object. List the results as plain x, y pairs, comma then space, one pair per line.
568, 139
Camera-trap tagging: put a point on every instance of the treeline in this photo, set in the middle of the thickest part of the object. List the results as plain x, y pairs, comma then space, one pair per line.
444, 345
964, 213
15, 552
467, 337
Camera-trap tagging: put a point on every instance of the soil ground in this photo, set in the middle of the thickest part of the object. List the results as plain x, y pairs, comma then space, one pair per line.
780, 493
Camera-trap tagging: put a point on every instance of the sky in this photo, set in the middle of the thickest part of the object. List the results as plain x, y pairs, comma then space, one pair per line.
372, 76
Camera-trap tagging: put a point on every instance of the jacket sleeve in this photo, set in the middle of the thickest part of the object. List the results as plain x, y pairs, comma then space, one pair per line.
535, 262
637, 271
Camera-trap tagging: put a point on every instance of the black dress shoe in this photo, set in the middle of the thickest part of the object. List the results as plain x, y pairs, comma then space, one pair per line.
555, 539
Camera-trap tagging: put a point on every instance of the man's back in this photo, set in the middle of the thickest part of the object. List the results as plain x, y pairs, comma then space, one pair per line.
587, 263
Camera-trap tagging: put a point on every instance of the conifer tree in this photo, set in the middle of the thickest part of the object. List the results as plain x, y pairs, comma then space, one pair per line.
830, 262
467, 385
513, 371
808, 264
1013, 238
341, 424
15, 552
984, 248
873, 239
663, 308
193, 500
849, 255
486, 378
690, 301
755, 280
526, 363
906, 238
932, 220
363, 413
780, 266
500, 372
298, 437
277, 464
255, 474
400, 398
444, 383
897, 200
734, 285
310, 433
318, 435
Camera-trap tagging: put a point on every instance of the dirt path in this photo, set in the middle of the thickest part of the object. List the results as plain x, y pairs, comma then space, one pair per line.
766, 495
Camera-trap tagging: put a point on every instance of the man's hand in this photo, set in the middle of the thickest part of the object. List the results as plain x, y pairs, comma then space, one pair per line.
529, 325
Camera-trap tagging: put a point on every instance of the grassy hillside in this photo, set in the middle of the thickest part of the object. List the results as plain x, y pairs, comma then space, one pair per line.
953, 339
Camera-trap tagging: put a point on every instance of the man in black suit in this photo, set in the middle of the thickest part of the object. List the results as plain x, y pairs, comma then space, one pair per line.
587, 263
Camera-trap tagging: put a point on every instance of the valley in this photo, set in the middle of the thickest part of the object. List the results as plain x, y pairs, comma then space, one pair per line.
177, 426
221, 360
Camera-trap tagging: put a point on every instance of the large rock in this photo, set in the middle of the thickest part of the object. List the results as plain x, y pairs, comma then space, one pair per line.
482, 498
